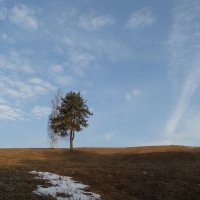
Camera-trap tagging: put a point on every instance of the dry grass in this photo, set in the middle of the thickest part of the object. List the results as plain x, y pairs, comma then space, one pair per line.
140, 173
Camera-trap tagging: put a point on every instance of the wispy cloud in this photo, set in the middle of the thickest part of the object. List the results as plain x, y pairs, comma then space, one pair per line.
56, 69
10, 113
61, 78
68, 41
41, 111
132, 94
94, 22
23, 16
189, 87
83, 51
64, 80
112, 49
188, 132
185, 59
3, 12
18, 61
40, 86
97, 49
9, 40
108, 136
140, 19
21, 90
80, 60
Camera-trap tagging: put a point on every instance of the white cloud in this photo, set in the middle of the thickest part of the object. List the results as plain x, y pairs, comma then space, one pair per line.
140, 19
17, 61
40, 86
112, 49
185, 60
2, 101
97, 48
27, 69
59, 75
41, 111
94, 22
64, 80
68, 41
132, 94
80, 61
9, 113
7, 39
15, 88
19, 80
23, 16
56, 69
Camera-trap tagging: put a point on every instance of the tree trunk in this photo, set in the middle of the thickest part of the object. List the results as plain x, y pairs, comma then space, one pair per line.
71, 139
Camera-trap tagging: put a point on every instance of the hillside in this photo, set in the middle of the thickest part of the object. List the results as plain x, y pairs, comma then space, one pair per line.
140, 173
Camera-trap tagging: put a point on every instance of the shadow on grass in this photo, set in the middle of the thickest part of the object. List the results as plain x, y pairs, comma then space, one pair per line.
170, 175
18, 184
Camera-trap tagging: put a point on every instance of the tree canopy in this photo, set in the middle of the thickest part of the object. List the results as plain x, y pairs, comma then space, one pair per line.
72, 116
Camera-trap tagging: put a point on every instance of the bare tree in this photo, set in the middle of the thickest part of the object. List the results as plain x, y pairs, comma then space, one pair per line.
52, 137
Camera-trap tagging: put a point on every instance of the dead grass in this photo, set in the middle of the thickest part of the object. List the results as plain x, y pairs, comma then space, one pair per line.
140, 173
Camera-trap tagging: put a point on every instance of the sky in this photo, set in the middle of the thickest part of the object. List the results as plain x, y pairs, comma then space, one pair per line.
136, 63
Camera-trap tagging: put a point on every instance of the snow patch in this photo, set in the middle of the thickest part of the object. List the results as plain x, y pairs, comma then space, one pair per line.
63, 187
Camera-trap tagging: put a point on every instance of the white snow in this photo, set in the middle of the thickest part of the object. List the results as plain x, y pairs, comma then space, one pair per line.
70, 189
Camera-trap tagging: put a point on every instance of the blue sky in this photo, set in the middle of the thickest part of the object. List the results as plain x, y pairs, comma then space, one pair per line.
137, 63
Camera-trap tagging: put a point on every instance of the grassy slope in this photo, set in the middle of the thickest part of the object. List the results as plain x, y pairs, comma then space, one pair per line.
141, 173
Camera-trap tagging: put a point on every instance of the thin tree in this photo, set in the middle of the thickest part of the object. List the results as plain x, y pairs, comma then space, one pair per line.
73, 114
52, 137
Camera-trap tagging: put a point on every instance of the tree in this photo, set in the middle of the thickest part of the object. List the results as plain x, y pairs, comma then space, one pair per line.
72, 116
52, 136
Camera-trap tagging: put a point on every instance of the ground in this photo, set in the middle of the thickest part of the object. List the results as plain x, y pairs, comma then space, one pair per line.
140, 173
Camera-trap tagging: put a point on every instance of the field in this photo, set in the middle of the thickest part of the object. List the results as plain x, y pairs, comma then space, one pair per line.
140, 173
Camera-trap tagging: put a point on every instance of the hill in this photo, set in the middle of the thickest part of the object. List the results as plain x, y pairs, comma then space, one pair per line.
138, 173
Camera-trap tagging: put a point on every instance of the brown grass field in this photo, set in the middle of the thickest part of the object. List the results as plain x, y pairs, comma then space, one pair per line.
140, 173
